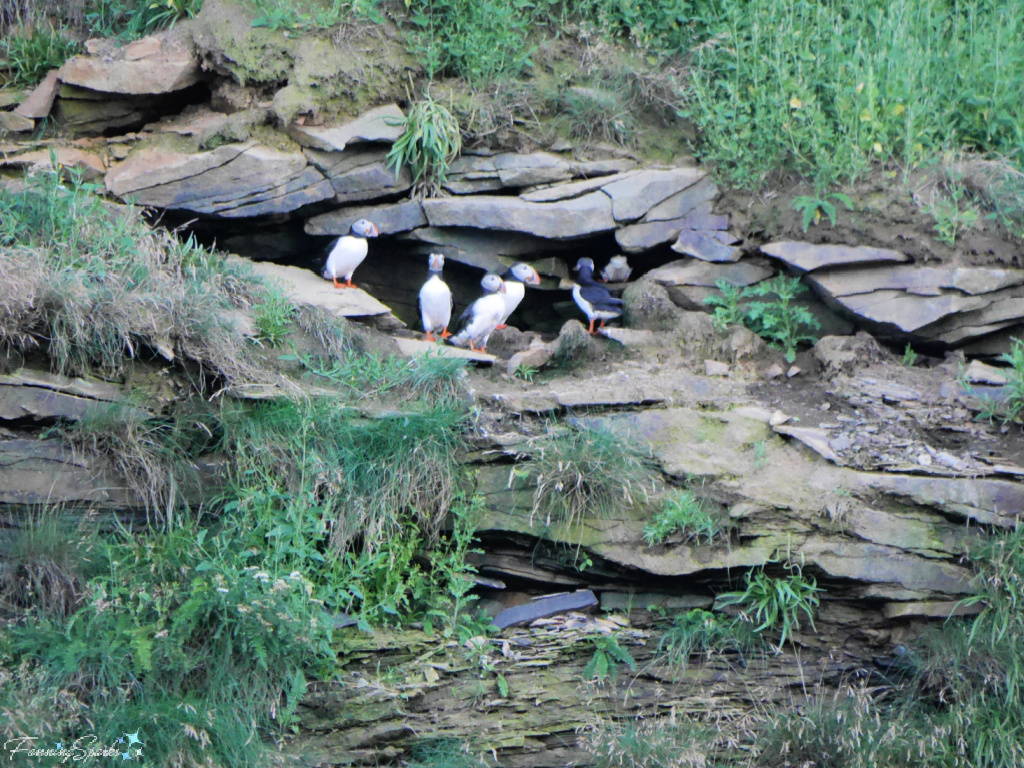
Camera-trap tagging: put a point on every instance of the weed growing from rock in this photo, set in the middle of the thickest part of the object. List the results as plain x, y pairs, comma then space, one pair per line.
683, 515
677, 743
814, 206
430, 142
776, 602
30, 55
1009, 405
705, 634
778, 321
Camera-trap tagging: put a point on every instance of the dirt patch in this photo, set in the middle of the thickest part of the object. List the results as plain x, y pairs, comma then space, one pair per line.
889, 211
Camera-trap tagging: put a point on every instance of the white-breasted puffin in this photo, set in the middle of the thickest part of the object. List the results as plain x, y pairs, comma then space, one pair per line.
594, 299
516, 279
617, 270
348, 253
436, 300
481, 317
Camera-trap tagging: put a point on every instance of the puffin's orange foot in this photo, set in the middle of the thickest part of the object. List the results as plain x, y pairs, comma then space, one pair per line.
430, 336
336, 285
349, 283
472, 346
499, 327
444, 333
591, 329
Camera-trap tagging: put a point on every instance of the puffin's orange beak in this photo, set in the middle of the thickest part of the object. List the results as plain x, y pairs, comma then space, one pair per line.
534, 279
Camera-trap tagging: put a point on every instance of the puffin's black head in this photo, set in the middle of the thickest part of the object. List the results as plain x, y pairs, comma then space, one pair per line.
364, 228
584, 263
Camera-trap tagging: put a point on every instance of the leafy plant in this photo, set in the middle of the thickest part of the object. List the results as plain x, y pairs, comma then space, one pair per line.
1010, 403
813, 207
608, 654
525, 372
427, 146
776, 602
580, 471
953, 213
779, 321
274, 317
910, 357
684, 514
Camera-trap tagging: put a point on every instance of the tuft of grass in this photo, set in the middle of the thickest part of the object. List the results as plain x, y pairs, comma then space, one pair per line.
431, 140
274, 316
579, 472
683, 514
775, 602
703, 633
33, 53
1009, 406
442, 753
45, 562
670, 743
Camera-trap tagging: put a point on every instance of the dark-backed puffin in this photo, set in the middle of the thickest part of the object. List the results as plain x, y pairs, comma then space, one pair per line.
348, 253
516, 279
593, 298
481, 317
436, 300
617, 270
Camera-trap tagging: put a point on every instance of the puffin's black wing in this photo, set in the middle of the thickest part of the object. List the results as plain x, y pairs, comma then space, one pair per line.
466, 315
599, 297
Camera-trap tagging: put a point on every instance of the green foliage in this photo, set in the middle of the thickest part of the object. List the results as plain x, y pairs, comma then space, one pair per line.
608, 654
427, 146
777, 321
776, 602
580, 472
312, 14
1010, 404
525, 372
953, 213
676, 743
441, 753
683, 514
910, 357
367, 375
813, 206
30, 55
825, 89
94, 286
274, 317
130, 19
44, 563
704, 633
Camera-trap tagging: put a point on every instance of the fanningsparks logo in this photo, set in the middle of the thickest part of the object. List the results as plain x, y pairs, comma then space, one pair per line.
123, 748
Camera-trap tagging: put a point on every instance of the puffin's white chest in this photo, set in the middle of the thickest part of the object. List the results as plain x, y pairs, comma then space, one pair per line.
435, 304
485, 315
514, 293
347, 254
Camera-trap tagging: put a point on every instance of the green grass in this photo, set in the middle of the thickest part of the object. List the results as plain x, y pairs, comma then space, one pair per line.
1009, 405
670, 743
579, 472
33, 53
827, 89
705, 634
684, 515
430, 141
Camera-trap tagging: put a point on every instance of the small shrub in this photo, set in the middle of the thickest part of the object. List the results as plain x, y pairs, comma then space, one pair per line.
608, 654
580, 471
430, 142
813, 206
910, 357
684, 514
775, 602
525, 372
669, 743
274, 317
778, 321
953, 213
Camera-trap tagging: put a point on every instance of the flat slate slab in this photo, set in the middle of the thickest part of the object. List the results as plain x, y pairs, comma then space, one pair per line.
169, 67
922, 281
580, 216
574, 189
635, 196
418, 348
545, 606
681, 203
305, 287
703, 245
391, 219
38, 103
378, 124
808, 257
705, 274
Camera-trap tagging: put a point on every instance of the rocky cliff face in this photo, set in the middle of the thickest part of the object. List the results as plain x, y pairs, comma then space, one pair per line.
873, 476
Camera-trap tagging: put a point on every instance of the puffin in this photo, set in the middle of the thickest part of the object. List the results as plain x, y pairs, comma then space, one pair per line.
348, 253
436, 300
516, 279
482, 316
594, 299
617, 270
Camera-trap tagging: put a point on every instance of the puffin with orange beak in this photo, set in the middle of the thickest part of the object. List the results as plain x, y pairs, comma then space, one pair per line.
436, 301
348, 253
482, 316
594, 299
516, 279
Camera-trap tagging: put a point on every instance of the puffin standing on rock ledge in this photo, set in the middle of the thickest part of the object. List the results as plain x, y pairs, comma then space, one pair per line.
436, 300
348, 253
516, 279
594, 299
482, 316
